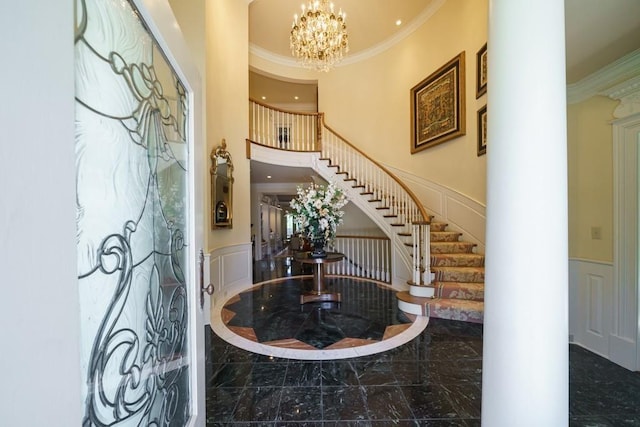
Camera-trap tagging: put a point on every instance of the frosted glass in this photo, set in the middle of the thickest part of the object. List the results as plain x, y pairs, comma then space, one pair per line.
132, 156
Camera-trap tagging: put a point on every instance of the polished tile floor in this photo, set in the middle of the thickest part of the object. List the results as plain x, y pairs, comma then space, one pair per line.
433, 380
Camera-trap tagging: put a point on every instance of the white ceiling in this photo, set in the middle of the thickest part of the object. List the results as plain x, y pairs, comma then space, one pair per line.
598, 32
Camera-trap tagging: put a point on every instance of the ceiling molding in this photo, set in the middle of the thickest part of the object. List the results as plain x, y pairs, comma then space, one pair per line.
598, 83
628, 93
377, 49
409, 29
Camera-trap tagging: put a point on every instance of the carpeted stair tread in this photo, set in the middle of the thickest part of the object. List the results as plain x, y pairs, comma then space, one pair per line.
438, 226
455, 309
458, 279
457, 260
451, 247
458, 274
445, 236
445, 308
459, 290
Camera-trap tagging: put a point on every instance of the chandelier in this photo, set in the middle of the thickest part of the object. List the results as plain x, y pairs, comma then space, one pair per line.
319, 36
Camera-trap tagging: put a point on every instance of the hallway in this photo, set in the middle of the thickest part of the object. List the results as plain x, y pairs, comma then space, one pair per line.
433, 380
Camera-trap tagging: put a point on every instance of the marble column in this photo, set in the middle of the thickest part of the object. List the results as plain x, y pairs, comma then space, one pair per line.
525, 366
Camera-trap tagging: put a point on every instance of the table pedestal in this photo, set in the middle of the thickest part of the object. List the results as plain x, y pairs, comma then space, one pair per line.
319, 292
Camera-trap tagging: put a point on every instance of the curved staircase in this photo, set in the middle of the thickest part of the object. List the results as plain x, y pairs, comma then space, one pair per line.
447, 277
457, 288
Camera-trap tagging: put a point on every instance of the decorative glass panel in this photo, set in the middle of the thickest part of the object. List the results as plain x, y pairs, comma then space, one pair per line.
132, 157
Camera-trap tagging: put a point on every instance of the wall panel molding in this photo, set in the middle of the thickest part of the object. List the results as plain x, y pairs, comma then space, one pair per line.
590, 304
462, 213
231, 270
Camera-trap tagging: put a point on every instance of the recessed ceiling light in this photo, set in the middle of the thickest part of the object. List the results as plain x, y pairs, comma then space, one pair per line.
296, 97
268, 176
264, 97
399, 22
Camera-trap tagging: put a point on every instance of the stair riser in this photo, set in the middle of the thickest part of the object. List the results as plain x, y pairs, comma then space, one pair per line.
422, 291
461, 260
458, 276
450, 248
445, 237
467, 311
449, 290
439, 226
459, 292
446, 311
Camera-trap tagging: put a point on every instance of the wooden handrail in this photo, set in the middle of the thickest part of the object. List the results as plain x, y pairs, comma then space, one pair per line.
248, 143
298, 113
359, 236
423, 212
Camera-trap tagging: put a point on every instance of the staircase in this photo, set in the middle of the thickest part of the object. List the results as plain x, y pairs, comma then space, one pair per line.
457, 288
445, 277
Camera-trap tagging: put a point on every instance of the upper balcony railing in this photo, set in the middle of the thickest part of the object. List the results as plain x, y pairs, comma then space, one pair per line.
285, 130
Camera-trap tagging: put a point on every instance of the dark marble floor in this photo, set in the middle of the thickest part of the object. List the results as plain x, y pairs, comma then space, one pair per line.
433, 380
273, 312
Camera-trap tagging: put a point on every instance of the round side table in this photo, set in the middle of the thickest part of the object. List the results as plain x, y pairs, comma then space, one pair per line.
319, 292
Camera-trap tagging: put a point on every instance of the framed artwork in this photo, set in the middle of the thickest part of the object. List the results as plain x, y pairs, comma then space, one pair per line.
438, 106
482, 131
481, 71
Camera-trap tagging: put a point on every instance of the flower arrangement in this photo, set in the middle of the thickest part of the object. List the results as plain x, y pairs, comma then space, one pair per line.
317, 211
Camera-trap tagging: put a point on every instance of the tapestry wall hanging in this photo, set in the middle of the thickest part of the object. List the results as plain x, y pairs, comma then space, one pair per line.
438, 106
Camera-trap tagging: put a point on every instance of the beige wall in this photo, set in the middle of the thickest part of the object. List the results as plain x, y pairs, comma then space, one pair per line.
227, 68
216, 31
589, 137
369, 102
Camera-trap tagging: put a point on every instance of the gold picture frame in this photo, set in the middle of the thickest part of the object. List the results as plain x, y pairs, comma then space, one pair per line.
221, 172
482, 131
438, 106
481, 71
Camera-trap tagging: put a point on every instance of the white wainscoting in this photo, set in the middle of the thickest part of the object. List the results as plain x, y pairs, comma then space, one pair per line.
462, 213
591, 304
230, 270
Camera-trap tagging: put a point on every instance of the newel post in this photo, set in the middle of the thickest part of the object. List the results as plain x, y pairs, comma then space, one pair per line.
421, 253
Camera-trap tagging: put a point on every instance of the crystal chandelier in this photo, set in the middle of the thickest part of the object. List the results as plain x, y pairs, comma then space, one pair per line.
319, 36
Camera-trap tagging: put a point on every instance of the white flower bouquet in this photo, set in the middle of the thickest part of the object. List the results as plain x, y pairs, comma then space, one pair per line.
318, 211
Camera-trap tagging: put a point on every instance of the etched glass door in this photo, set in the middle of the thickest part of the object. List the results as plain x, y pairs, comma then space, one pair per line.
132, 149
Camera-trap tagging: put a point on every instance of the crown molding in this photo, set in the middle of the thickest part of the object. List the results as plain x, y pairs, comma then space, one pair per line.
414, 25
409, 29
625, 68
628, 93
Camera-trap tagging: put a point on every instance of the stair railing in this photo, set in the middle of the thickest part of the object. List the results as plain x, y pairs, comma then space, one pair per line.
294, 131
396, 199
365, 256
282, 129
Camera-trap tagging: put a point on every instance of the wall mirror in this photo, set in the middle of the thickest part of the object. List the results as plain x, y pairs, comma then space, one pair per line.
221, 187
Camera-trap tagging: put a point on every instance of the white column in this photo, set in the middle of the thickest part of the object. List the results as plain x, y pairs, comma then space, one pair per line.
525, 363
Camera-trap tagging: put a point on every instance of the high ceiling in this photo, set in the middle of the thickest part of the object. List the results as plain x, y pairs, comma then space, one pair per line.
598, 32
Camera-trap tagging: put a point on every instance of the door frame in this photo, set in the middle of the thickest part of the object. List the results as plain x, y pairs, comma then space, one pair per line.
624, 342
159, 18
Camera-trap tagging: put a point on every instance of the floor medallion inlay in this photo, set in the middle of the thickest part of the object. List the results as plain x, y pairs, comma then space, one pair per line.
267, 318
